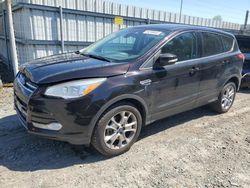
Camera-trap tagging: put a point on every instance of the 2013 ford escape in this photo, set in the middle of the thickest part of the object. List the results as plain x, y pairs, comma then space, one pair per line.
104, 94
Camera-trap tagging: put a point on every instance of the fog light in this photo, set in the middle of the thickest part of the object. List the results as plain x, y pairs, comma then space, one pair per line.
51, 126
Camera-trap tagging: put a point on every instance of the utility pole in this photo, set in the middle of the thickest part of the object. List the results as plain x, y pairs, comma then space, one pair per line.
246, 20
12, 39
180, 11
61, 28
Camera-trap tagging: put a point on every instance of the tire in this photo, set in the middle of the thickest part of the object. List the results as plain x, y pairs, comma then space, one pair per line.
219, 106
111, 129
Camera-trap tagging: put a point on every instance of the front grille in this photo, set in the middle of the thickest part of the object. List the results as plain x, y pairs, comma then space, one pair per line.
25, 111
21, 107
26, 83
35, 113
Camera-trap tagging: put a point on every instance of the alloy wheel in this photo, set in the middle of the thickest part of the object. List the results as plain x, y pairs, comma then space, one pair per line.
228, 97
120, 130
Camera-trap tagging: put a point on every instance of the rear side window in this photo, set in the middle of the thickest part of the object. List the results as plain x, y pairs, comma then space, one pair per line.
184, 46
212, 44
228, 43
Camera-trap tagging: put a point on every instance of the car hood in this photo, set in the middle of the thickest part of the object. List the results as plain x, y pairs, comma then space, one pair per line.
70, 66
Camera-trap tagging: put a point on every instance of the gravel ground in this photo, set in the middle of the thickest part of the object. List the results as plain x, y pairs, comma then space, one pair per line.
194, 149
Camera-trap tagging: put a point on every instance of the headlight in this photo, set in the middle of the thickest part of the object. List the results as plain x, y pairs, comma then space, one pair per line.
74, 89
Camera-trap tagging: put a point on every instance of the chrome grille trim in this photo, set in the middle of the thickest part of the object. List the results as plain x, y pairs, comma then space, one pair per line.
30, 85
21, 107
21, 119
22, 80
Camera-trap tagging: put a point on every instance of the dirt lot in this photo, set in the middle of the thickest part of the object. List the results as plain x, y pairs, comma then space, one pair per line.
193, 149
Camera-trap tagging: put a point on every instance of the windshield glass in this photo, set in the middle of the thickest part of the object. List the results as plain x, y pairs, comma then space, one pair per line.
125, 45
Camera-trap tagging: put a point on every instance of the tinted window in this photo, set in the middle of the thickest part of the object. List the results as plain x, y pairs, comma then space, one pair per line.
227, 42
244, 45
183, 46
212, 44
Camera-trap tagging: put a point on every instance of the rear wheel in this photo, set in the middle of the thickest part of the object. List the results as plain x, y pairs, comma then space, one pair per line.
117, 130
226, 98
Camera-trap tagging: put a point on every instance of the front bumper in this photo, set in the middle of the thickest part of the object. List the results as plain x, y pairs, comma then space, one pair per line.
75, 116
77, 139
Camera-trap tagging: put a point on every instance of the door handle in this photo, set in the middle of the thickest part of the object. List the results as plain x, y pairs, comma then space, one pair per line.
193, 70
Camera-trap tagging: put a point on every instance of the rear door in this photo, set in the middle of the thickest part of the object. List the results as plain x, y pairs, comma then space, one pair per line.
213, 66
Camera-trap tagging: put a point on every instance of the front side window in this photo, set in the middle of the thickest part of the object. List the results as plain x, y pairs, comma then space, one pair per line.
212, 44
127, 44
184, 46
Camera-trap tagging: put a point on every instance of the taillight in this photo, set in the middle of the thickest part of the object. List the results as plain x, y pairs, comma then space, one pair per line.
241, 56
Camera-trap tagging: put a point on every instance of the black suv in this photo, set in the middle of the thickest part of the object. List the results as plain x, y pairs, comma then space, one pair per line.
244, 45
104, 94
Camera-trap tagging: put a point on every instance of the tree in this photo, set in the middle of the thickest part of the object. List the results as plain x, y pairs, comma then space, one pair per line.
217, 18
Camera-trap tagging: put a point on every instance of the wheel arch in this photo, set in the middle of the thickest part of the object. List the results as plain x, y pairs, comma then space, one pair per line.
133, 99
236, 80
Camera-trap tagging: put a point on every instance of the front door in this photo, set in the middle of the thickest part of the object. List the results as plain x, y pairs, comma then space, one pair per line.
175, 87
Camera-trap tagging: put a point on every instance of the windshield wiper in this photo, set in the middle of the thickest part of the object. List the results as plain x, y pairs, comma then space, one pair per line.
96, 57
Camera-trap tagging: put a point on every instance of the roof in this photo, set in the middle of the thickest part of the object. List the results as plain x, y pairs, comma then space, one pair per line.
181, 27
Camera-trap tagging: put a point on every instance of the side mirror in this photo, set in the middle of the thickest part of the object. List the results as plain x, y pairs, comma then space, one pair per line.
166, 59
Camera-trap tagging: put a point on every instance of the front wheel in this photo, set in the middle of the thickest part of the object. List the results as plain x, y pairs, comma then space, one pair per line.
117, 130
226, 98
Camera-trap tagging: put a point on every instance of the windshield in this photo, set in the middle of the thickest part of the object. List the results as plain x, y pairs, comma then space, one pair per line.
244, 46
125, 45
